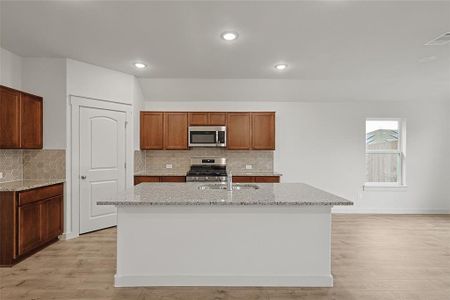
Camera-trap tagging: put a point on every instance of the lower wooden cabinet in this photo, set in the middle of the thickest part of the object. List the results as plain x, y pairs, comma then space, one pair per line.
29, 220
172, 179
30, 231
267, 179
52, 218
140, 179
243, 179
259, 179
236, 179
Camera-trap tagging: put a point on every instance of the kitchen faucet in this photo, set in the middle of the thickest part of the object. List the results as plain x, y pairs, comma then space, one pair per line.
229, 181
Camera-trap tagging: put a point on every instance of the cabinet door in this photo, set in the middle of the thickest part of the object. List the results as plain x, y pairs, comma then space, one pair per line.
263, 131
31, 122
269, 179
217, 118
140, 179
238, 130
173, 179
198, 118
52, 218
243, 179
9, 118
175, 130
151, 130
30, 231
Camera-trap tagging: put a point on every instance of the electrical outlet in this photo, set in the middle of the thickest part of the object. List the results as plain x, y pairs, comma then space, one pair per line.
1, 175
248, 167
169, 166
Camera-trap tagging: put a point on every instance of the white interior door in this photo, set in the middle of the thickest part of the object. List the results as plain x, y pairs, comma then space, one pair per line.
102, 165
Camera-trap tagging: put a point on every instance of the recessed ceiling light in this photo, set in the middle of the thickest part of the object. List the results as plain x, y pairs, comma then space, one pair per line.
229, 35
281, 67
140, 65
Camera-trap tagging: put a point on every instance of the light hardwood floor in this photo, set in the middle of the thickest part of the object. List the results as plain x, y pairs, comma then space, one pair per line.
374, 257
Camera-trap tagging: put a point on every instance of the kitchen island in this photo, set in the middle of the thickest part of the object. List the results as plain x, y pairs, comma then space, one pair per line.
195, 234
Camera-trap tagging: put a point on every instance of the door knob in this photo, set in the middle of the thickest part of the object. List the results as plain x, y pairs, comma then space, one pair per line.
83, 177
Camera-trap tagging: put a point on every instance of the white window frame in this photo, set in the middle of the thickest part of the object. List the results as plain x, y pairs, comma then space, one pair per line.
401, 150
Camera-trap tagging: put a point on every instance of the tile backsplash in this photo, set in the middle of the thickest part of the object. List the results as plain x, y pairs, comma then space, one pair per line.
44, 164
139, 161
156, 160
18, 164
11, 162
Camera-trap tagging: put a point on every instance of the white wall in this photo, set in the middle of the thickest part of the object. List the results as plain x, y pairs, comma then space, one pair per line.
95, 82
138, 105
46, 77
248, 89
323, 144
10, 69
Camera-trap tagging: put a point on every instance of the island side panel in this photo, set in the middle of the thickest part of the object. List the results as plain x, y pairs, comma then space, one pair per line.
224, 246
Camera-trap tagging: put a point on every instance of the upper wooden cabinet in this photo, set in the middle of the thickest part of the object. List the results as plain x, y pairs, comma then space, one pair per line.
263, 131
207, 118
175, 130
239, 131
151, 131
31, 121
245, 130
217, 118
198, 118
21, 120
160, 130
9, 118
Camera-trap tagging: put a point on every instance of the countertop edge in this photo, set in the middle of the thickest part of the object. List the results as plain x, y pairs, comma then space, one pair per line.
31, 185
305, 203
261, 174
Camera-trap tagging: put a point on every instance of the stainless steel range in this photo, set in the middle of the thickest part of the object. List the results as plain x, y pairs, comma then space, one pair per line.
207, 169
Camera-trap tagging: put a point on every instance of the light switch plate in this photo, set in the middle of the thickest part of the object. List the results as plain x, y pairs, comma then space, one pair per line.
1, 175
248, 167
168, 166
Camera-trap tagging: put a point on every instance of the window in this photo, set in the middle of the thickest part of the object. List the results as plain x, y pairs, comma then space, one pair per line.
385, 155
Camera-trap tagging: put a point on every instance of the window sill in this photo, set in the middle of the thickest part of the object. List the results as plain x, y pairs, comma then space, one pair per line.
384, 188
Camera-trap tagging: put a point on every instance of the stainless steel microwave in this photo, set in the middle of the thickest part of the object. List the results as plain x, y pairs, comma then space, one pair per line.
207, 136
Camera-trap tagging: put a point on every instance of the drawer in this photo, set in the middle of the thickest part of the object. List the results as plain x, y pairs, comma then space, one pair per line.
140, 179
173, 179
243, 179
38, 194
273, 179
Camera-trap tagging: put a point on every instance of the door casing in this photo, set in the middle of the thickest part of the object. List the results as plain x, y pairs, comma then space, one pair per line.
72, 197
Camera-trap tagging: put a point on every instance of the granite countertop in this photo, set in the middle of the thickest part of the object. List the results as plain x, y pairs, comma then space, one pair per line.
21, 185
160, 173
256, 174
177, 173
293, 194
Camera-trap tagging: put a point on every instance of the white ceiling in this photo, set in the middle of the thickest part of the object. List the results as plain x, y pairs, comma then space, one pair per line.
319, 40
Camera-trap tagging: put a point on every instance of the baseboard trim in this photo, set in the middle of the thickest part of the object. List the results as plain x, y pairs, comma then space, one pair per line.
342, 210
284, 281
68, 236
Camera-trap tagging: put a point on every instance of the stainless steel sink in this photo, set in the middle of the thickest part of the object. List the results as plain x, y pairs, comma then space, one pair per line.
224, 187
